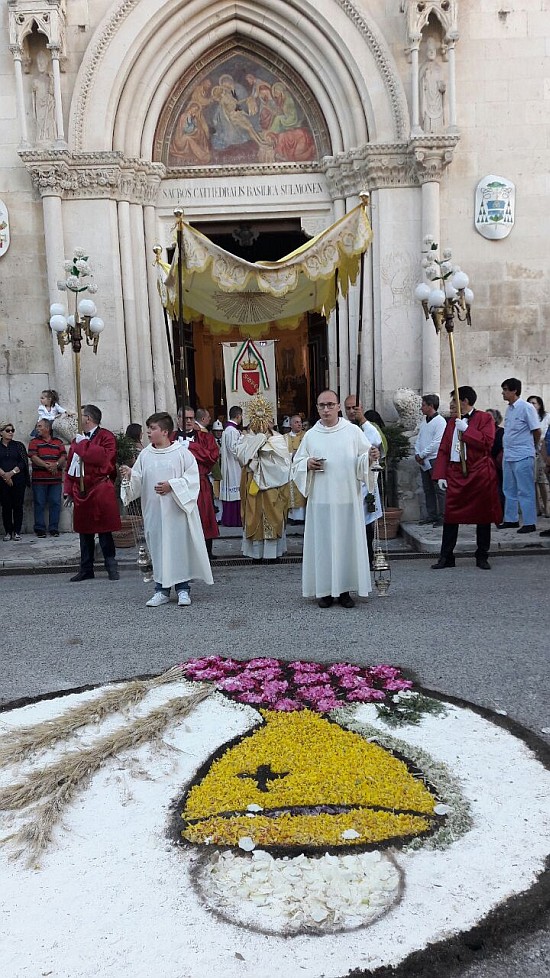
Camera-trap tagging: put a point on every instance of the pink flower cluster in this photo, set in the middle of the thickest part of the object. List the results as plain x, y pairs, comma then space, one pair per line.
279, 685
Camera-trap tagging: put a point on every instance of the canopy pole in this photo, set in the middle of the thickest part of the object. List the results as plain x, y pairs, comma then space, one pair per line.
364, 198
178, 214
337, 324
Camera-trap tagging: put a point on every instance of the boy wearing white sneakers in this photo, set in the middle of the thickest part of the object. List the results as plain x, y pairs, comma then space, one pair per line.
166, 477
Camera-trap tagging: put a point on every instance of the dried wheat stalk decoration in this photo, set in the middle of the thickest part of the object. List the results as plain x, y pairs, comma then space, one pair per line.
60, 781
25, 741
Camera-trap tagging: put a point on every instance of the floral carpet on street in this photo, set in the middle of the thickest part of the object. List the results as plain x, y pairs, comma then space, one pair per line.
264, 816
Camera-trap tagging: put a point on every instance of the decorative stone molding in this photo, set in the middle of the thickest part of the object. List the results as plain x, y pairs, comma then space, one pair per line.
78, 176
385, 66
101, 41
50, 19
418, 12
240, 170
385, 165
432, 155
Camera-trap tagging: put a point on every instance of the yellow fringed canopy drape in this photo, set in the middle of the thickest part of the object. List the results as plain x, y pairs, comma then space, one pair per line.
221, 289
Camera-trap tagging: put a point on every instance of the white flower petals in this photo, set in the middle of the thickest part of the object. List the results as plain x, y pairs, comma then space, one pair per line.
254, 808
300, 894
246, 843
350, 834
441, 809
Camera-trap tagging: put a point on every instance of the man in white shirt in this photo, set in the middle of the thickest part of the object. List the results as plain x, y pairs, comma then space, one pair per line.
426, 448
521, 437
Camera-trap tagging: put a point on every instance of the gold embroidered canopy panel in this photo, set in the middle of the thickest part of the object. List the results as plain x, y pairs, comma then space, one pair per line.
220, 288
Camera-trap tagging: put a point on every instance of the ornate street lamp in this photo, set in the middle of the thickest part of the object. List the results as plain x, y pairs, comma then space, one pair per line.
447, 297
81, 325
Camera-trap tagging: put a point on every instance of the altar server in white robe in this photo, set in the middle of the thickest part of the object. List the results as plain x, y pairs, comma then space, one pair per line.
331, 463
166, 477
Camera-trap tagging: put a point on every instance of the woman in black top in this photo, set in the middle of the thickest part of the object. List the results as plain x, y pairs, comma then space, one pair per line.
14, 478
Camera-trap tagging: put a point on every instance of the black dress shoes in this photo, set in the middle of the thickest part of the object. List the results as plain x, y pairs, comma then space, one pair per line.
442, 562
326, 601
346, 600
113, 575
483, 563
81, 576
507, 526
528, 528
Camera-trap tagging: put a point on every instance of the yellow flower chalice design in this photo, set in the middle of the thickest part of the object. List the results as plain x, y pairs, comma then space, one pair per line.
308, 783
290, 818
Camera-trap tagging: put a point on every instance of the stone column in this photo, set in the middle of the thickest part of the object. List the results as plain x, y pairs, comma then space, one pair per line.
59, 130
415, 108
129, 304
55, 256
431, 366
165, 399
353, 322
342, 379
20, 93
451, 90
142, 310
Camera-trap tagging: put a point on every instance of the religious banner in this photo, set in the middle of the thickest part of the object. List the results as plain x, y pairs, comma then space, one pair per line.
219, 288
249, 369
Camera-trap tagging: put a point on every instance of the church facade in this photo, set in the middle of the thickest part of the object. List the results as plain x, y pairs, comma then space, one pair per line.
264, 121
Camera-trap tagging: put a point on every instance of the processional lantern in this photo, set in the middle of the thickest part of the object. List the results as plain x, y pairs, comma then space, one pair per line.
446, 298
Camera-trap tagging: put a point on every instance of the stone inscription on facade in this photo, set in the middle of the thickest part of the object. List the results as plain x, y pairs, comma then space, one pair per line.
240, 192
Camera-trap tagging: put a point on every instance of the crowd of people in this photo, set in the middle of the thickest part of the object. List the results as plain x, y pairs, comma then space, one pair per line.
473, 471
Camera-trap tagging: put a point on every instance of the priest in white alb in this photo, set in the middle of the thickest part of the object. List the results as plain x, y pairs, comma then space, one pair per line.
166, 477
329, 467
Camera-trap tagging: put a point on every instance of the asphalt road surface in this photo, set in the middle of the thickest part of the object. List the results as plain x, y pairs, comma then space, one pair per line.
477, 635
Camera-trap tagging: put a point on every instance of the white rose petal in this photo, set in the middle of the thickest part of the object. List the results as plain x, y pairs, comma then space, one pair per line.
442, 809
350, 834
246, 843
254, 808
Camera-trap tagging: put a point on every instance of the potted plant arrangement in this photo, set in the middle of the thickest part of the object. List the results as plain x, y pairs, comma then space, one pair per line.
398, 447
125, 455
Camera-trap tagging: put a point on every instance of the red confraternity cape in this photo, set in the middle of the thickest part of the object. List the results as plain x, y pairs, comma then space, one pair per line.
97, 511
472, 498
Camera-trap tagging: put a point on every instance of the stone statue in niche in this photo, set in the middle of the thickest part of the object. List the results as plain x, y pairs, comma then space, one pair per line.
432, 90
43, 100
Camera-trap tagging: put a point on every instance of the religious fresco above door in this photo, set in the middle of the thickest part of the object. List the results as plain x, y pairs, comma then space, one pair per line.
241, 109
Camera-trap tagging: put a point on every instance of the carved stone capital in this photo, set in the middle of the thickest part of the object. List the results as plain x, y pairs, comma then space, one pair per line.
79, 176
432, 155
384, 165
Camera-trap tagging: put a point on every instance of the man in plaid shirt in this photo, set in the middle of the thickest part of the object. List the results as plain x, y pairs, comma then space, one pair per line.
48, 458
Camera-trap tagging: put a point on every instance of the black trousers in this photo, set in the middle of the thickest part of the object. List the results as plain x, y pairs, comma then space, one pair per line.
11, 500
450, 535
87, 550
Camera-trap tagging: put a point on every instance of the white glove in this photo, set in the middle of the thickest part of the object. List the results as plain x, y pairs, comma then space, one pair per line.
79, 437
442, 483
461, 424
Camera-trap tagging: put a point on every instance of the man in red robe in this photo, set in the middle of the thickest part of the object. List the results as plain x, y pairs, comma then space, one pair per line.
96, 509
474, 497
204, 447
